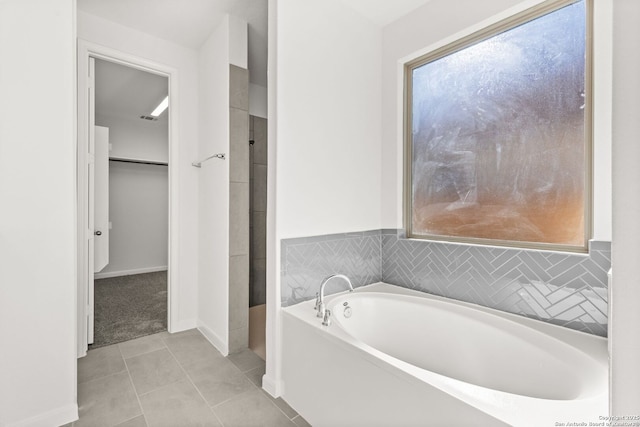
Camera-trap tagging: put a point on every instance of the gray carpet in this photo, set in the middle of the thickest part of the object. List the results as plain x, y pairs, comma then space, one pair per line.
129, 307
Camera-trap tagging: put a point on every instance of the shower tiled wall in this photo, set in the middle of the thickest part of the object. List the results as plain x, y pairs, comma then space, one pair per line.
561, 288
258, 211
238, 208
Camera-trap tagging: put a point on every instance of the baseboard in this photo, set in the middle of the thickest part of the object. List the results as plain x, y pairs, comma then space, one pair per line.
221, 345
273, 387
55, 417
129, 272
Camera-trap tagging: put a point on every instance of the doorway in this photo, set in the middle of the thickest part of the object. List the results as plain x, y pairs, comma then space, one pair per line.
117, 94
130, 286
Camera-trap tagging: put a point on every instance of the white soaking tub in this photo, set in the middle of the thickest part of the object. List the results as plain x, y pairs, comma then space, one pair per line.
397, 357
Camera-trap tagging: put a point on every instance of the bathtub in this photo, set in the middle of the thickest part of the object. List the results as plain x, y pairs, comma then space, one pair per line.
397, 357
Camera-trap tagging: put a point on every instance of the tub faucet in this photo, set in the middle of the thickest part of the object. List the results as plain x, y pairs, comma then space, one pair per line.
320, 297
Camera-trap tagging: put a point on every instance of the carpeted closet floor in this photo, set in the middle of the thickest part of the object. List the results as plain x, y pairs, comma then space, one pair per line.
128, 307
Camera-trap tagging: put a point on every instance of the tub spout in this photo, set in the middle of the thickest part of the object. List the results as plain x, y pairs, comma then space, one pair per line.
320, 296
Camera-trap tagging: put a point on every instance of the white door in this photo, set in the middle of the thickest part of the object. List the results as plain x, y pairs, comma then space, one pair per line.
101, 199
98, 209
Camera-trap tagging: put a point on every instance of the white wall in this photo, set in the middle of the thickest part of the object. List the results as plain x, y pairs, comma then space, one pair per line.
258, 101
329, 115
602, 119
138, 196
185, 62
136, 138
271, 380
625, 292
37, 218
326, 133
226, 45
138, 212
238, 41
440, 22
213, 223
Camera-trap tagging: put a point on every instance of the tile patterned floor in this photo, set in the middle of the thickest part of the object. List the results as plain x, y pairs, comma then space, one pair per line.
176, 380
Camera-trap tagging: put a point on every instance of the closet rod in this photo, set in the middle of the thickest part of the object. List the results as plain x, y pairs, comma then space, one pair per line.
142, 162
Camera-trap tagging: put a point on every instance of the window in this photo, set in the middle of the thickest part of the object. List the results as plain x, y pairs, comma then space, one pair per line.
498, 134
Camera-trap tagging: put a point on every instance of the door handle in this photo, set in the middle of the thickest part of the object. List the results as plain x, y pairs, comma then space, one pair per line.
98, 233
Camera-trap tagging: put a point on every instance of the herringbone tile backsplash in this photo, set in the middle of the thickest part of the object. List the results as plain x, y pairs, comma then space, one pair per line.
307, 260
561, 288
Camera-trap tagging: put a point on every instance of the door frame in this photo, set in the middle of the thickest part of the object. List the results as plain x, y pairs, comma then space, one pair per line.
86, 50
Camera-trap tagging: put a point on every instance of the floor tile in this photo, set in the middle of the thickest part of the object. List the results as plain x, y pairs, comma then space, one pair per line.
107, 401
141, 345
189, 332
100, 363
252, 409
217, 379
177, 404
153, 370
190, 347
282, 405
135, 422
246, 360
165, 334
301, 422
255, 375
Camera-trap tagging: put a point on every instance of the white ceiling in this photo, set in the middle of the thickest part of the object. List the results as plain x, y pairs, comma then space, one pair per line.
127, 92
189, 22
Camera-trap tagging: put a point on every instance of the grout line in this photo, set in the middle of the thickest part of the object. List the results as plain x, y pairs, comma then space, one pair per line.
194, 386
231, 398
273, 400
184, 333
132, 418
135, 390
235, 366
244, 374
212, 407
104, 376
146, 352
162, 387
269, 397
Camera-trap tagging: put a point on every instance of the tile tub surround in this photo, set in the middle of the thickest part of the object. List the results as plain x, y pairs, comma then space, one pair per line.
561, 288
306, 261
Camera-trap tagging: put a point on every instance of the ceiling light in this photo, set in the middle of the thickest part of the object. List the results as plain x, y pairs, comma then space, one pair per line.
160, 108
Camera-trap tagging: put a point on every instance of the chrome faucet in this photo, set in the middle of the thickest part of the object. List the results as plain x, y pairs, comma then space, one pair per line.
323, 313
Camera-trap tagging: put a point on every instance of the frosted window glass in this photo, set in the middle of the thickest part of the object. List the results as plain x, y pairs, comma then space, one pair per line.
498, 136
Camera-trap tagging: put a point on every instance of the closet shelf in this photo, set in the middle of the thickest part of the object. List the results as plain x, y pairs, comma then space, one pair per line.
139, 161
